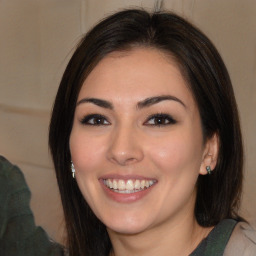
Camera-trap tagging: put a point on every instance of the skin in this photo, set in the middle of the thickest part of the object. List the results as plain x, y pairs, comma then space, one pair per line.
128, 142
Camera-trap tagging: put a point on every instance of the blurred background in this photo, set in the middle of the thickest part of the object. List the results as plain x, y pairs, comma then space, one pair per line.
37, 38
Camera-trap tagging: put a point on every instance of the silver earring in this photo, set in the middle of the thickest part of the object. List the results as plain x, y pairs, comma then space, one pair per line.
208, 169
73, 170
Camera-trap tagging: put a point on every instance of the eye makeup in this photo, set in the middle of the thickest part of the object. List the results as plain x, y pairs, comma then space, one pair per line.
160, 119
94, 119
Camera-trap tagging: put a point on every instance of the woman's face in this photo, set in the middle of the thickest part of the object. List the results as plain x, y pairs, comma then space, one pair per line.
136, 142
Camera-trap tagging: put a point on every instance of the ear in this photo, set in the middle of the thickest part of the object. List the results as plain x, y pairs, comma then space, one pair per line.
210, 154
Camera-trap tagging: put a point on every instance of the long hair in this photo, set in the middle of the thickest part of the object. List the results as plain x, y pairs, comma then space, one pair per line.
218, 195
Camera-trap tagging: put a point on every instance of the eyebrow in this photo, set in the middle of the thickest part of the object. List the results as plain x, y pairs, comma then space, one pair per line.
142, 104
98, 102
154, 100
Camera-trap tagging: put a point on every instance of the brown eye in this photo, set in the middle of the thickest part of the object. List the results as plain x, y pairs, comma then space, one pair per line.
160, 120
95, 119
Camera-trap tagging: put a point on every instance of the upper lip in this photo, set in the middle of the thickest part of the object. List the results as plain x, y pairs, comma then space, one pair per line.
126, 177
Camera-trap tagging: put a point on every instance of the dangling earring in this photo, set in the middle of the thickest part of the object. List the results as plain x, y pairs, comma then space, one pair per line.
208, 169
73, 170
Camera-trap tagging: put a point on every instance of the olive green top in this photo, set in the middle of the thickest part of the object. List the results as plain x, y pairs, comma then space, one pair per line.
18, 234
215, 243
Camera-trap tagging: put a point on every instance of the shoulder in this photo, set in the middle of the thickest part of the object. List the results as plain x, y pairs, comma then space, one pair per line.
18, 233
11, 177
242, 241
14, 194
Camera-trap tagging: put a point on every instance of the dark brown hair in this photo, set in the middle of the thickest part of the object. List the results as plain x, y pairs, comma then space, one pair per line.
218, 195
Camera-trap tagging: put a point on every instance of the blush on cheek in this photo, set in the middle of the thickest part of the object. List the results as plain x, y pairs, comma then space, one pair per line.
85, 153
172, 150
175, 156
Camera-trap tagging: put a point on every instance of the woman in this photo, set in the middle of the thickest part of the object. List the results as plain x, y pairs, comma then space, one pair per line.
146, 141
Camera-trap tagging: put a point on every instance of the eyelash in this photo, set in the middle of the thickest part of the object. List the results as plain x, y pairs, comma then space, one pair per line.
161, 117
93, 118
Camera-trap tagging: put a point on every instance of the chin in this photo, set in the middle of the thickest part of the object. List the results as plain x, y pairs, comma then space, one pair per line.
126, 230
127, 226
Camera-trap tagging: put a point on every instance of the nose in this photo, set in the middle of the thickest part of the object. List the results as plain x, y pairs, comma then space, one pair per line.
125, 147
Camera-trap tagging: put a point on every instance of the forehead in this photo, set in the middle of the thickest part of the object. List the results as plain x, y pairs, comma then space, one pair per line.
134, 75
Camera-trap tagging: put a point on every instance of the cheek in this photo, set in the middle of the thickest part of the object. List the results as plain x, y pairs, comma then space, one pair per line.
86, 154
85, 151
177, 153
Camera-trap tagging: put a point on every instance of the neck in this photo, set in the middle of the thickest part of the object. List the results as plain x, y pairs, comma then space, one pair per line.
166, 239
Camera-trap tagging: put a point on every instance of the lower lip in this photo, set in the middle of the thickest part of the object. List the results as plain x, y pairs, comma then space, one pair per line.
126, 197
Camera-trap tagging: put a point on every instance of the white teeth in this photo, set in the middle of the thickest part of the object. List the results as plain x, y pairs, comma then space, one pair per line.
121, 185
137, 184
128, 186
142, 184
115, 184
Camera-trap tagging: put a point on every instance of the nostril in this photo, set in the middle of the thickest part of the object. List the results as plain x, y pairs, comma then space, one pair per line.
123, 160
124, 148
130, 160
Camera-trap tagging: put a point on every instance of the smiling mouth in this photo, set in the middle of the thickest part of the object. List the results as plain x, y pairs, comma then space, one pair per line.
128, 186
